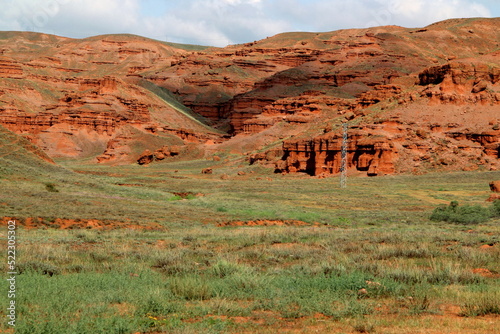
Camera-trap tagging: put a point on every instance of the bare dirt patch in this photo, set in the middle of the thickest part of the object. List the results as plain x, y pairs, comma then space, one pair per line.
188, 194
265, 222
485, 273
69, 224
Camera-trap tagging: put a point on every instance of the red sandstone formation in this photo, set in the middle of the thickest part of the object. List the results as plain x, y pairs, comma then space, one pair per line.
78, 97
9, 68
412, 104
366, 151
167, 151
342, 63
146, 158
495, 186
206, 171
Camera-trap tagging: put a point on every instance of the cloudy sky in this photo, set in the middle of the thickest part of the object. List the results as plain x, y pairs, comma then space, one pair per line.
222, 22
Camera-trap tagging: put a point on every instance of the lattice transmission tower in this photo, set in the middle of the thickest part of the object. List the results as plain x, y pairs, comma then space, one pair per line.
343, 166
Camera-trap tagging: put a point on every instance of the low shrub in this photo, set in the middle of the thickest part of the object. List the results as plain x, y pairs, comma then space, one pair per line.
51, 187
38, 267
481, 305
495, 209
467, 214
364, 327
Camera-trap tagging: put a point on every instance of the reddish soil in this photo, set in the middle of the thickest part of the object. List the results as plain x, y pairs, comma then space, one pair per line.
485, 273
69, 224
266, 222
187, 194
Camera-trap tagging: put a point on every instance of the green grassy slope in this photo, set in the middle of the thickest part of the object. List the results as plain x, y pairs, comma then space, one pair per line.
21, 159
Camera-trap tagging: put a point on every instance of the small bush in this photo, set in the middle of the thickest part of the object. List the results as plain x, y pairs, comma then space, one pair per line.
51, 187
364, 327
495, 209
39, 268
467, 214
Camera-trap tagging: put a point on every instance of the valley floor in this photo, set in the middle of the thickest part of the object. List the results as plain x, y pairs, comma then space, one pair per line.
166, 249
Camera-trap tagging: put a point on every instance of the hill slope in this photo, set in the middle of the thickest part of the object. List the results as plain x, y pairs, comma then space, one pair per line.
81, 98
415, 99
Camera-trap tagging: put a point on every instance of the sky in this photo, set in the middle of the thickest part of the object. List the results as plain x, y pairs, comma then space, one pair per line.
223, 22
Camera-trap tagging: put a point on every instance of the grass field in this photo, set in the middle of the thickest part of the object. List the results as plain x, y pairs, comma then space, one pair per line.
228, 255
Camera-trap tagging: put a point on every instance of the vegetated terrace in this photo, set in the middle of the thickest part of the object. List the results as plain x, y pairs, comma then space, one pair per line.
250, 253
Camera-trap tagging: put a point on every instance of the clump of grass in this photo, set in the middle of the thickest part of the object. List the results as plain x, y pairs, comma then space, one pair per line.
175, 264
155, 306
364, 327
403, 252
224, 268
481, 305
190, 288
87, 236
420, 305
467, 214
51, 187
495, 209
76, 268
100, 257
39, 268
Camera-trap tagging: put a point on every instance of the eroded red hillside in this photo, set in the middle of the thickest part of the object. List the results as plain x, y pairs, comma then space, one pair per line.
82, 98
414, 99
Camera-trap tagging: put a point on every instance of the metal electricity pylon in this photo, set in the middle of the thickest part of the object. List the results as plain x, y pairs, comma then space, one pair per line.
343, 166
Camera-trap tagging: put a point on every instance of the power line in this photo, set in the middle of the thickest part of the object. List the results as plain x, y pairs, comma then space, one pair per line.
343, 167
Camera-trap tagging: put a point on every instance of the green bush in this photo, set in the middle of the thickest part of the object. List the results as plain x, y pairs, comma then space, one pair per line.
39, 268
51, 187
495, 209
467, 214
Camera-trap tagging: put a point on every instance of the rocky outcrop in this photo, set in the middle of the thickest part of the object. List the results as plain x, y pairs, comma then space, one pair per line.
495, 188
9, 68
256, 125
489, 140
165, 152
375, 155
462, 81
105, 85
392, 146
146, 158
311, 102
268, 158
21, 122
460, 72
207, 171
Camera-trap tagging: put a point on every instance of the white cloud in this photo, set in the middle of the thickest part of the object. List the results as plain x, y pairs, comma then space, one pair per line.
220, 22
417, 13
237, 2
